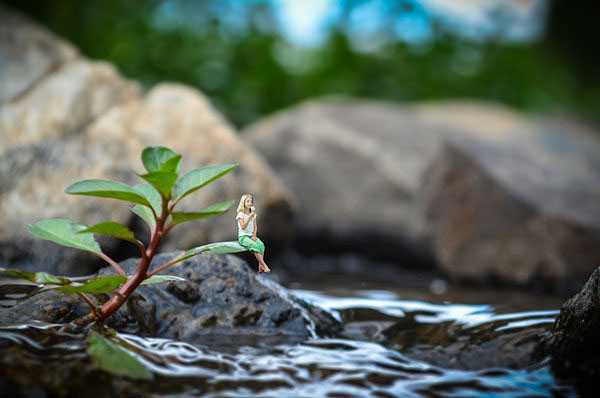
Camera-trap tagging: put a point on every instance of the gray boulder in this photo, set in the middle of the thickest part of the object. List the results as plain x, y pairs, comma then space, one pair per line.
67, 118
521, 210
356, 167
353, 170
485, 192
28, 53
182, 118
221, 296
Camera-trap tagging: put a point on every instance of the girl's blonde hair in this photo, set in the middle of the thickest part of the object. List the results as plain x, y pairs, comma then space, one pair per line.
241, 205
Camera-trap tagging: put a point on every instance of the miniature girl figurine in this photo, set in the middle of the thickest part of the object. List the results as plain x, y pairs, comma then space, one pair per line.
246, 220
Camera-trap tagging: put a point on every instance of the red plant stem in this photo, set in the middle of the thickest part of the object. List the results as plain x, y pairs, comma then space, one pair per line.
113, 264
117, 300
166, 265
89, 301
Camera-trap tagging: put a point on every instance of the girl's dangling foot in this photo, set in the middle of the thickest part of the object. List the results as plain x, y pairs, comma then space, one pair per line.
262, 267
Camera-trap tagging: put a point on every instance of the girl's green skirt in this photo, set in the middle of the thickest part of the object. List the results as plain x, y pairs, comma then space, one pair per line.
252, 245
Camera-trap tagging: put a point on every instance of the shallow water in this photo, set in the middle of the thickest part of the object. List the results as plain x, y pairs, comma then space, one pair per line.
386, 336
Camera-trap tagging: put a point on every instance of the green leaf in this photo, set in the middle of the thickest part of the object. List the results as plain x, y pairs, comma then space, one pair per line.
115, 359
65, 232
99, 285
222, 248
172, 165
160, 158
153, 280
212, 210
163, 181
151, 195
213, 248
42, 278
107, 189
198, 178
114, 229
145, 214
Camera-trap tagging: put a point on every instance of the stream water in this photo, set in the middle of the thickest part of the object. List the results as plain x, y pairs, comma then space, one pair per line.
407, 343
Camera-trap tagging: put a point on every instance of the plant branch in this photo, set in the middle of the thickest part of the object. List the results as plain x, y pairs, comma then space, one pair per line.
166, 265
113, 264
121, 295
169, 228
89, 301
141, 273
141, 247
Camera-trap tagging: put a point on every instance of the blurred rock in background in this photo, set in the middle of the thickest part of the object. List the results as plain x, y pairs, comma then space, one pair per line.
64, 118
488, 193
482, 192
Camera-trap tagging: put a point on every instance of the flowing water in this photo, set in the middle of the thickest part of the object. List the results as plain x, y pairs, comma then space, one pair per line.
395, 344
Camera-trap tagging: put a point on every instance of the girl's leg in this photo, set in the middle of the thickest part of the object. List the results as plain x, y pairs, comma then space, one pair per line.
262, 266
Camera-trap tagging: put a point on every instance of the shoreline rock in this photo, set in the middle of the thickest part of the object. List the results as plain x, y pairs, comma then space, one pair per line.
574, 344
220, 296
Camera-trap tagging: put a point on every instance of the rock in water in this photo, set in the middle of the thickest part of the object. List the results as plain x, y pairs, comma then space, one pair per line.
574, 344
64, 118
221, 296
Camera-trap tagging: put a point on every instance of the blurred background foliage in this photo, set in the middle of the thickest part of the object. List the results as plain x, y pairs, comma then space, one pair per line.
254, 57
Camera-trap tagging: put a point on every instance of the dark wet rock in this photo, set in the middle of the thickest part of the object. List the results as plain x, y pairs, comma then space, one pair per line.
574, 344
222, 296
452, 346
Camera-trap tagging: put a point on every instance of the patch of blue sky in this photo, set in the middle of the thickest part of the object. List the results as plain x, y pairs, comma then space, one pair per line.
370, 23
306, 22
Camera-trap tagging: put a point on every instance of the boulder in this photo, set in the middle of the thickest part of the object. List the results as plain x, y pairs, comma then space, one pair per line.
32, 182
182, 118
28, 53
356, 167
221, 296
354, 170
484, 191
63, 103
521, 210
73, 119
574, 346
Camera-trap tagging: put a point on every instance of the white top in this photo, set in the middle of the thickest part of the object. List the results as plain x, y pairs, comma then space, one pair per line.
249, 230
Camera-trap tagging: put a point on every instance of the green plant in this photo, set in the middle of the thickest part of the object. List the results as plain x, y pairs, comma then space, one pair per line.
154, 200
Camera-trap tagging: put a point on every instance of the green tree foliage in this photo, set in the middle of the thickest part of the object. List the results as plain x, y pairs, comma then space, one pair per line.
248, 69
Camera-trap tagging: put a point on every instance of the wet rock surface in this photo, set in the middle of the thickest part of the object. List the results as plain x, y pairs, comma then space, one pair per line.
393, 343
450, 347
574, 344
220, 296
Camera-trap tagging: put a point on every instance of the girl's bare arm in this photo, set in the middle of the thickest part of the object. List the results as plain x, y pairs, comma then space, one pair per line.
244, 224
